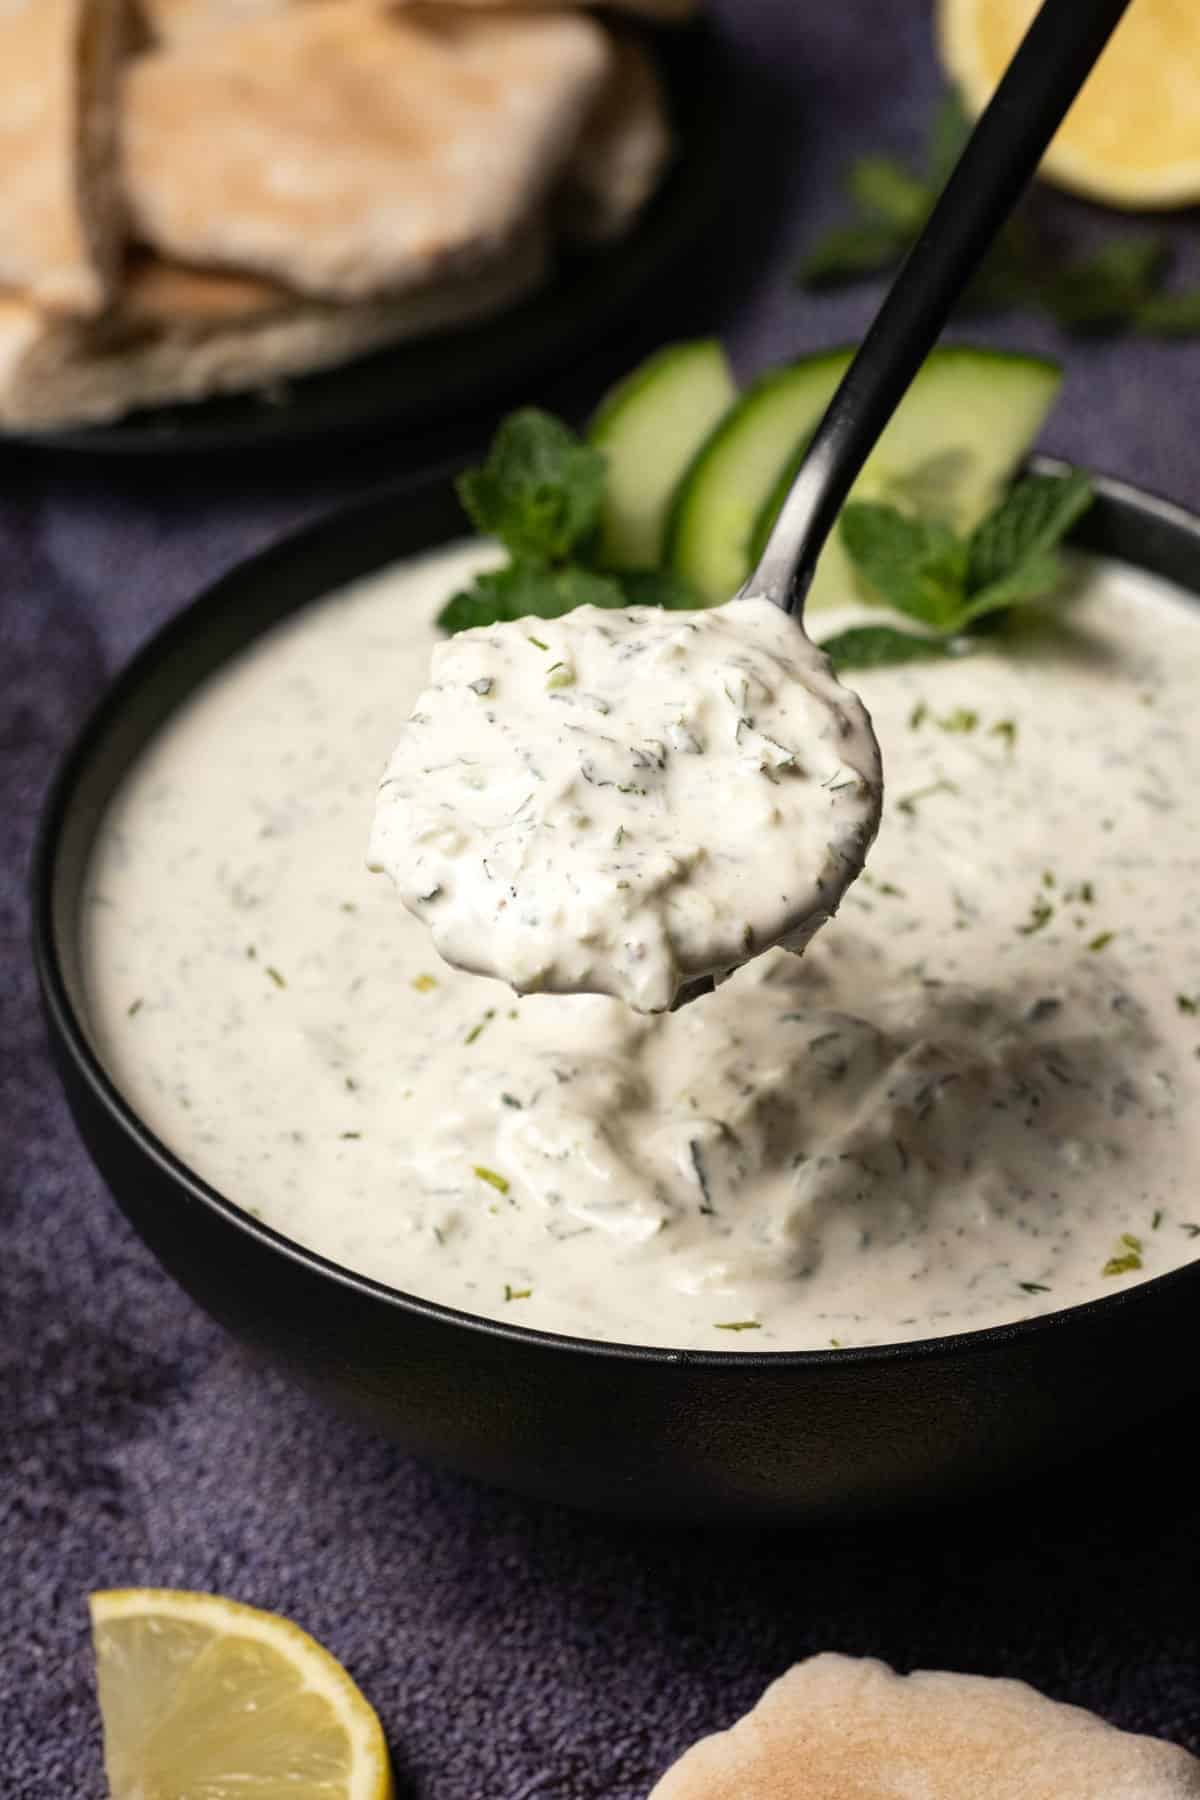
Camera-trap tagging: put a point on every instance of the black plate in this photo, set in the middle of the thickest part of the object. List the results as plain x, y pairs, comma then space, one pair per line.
434, 379
679, 1434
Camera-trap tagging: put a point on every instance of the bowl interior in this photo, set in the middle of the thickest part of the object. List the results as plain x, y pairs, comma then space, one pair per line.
1124, 524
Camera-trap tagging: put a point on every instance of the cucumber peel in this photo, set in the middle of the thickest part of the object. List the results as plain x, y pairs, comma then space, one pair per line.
649, 427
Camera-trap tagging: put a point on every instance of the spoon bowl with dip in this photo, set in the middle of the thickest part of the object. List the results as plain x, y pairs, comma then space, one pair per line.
636, 802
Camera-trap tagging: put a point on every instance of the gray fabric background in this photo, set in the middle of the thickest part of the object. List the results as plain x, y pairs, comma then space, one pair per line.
513, 1650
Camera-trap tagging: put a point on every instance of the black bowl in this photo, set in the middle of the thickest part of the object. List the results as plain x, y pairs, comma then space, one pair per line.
687, 1435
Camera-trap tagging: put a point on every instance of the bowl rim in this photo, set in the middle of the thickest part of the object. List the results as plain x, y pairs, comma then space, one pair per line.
1126, 524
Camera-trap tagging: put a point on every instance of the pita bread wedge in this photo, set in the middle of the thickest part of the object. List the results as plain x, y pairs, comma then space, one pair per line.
836, 1728
346, 150
59, 217
182, 334
177, 21
622, 152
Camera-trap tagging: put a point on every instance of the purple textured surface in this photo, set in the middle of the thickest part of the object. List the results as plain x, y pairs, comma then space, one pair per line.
513, 1650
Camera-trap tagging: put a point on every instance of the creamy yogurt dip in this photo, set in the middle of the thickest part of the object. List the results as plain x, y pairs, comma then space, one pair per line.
974, 1099
620, 802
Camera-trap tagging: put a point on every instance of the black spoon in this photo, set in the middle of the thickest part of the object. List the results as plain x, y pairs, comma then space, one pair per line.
999, 160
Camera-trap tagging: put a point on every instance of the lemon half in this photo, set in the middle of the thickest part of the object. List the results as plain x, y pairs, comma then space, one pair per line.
1132, 138
204, 1698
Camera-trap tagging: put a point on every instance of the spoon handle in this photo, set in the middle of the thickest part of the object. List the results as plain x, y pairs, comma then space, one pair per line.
1001, 156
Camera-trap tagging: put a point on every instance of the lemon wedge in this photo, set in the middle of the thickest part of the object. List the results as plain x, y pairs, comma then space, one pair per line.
204, 1698
1132, 138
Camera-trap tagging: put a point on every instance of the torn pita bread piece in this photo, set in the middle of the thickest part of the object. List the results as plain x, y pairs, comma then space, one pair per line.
837, 1728
177, 21
622, 152
182, 334
348, 151
59, 210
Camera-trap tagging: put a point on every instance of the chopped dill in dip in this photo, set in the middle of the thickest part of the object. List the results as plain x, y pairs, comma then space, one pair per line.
628, 799
937, 1119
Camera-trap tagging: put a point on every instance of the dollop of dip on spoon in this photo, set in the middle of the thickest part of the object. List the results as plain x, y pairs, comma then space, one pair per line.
625, 801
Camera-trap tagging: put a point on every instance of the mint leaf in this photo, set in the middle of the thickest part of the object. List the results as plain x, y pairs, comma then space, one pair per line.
885, 190
540, 490
949, 130
1118, 286
916, 565
1109, 288
882, 646
922, 569
525, 590
1033, 517
1033, 579
848, 251
1170, 315
659, 587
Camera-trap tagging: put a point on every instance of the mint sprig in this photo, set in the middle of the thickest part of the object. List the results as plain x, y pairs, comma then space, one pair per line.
1120, 286
541, 488
947, 583
540, 491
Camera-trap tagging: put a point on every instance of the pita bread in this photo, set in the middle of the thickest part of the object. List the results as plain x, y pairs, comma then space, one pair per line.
177, 21
836, 1728
58, 208
346, 150
622, 151
182, 334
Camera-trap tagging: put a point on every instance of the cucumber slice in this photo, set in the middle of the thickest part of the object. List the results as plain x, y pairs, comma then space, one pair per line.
956, 437
720, 496
650, 426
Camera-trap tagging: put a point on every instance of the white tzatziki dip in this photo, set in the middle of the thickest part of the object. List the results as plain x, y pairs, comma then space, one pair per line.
620, 802
975, 1098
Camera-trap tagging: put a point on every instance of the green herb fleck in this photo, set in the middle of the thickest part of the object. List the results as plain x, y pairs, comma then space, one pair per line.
276, 977
134, 1008
1101, 940
537, 641
917, 717
349, 1134
1040, 914
512, 1293
1006, 729
1157, 1220
701, 1174
475, 1030
1033, 1287
1187, 1004
424, 984
1127, 1256
560, 676
907, 803
510, 1100
1193, 1231
961, 719
499, 1182
740, 1325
